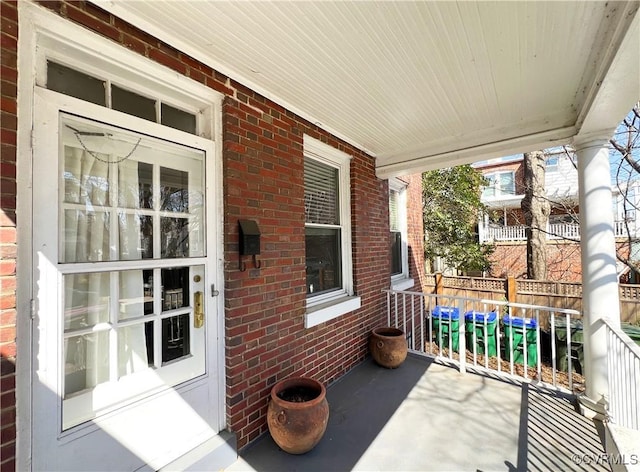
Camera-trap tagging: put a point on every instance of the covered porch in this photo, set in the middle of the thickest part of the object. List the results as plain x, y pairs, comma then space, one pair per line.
425, 85
375, 90
426, 416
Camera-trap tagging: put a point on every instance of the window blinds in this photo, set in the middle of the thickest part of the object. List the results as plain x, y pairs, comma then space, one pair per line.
393, 211
320, 193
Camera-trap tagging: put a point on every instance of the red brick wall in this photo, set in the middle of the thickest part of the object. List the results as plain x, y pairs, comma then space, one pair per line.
563, 260
415, 230
8, 125
266, 338
263, 180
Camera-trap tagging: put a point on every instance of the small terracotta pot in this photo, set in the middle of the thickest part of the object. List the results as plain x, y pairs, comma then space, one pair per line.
298, 413
388, 346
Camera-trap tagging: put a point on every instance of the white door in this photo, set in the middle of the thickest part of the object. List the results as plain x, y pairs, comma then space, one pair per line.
124, 335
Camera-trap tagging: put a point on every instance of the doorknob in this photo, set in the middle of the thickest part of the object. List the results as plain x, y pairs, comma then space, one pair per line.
198, 314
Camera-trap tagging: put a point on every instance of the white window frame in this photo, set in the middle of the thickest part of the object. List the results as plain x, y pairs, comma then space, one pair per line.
44, 35
552, 163
401, 281
325, 307
494, 178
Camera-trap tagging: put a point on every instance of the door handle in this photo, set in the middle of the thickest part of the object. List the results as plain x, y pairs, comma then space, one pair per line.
198, 312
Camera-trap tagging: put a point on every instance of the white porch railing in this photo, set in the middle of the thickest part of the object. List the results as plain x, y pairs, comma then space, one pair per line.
563, 231
512, 340
504, 233
623, 366
554, 231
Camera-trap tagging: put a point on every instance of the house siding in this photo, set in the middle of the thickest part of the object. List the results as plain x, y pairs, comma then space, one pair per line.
265, 337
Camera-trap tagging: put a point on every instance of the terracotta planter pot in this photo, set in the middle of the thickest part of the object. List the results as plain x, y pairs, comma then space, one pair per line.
297, 414
388, 346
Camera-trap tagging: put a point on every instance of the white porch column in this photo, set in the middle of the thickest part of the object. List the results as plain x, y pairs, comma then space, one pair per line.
482, 224
599, 280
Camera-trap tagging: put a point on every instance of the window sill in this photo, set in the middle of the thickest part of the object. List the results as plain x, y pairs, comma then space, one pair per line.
324, 312
402, 284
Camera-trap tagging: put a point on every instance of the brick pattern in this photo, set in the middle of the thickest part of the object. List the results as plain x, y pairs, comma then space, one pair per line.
266, 338
563, 260
8, 246
415, 230
263, 180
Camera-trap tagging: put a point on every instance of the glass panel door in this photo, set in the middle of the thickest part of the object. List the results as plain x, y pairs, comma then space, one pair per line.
129, 328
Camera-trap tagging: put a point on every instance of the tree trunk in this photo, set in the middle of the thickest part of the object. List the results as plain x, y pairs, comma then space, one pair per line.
536, 209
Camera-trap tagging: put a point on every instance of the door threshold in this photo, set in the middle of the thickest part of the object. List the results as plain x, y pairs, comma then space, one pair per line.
216, 453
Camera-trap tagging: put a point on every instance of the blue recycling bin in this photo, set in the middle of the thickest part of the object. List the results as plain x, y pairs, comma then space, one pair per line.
446, 323
474, 327
517, 330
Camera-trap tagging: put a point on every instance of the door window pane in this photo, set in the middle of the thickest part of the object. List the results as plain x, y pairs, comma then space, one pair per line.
146, 237
176, 330
175, 286
174, 237
86, 361
86, 236
149, 338
148, 291
175, 337
87, 300
178, 119
133, 349
133, 104
111, 176
174, 190
131, 294
145, 180
75, 84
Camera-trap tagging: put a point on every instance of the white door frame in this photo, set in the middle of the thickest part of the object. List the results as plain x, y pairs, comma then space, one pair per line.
43, 32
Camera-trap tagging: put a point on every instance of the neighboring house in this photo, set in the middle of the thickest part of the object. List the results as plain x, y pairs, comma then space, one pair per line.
504, 225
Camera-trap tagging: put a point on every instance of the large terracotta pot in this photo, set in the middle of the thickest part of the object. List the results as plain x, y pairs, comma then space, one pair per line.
297, 414
388, 346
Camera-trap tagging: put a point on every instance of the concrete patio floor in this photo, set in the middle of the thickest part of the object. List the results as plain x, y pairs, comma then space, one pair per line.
425, 416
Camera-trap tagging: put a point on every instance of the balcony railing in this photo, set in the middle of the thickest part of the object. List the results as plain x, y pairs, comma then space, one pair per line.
623, 366
556, 231
436, 326
503, 338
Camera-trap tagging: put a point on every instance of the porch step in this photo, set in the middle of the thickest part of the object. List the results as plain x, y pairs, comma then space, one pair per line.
217, 453
623, 448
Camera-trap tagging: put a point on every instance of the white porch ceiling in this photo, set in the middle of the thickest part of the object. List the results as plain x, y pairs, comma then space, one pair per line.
420, 85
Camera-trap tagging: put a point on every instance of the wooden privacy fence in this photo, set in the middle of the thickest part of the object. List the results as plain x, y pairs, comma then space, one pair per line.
532, 292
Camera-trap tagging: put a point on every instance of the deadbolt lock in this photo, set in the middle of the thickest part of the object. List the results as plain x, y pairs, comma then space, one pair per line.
198, 318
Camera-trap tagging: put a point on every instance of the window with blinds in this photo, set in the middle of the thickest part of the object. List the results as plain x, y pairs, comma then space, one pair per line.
323, 232
320, 193
396, 233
